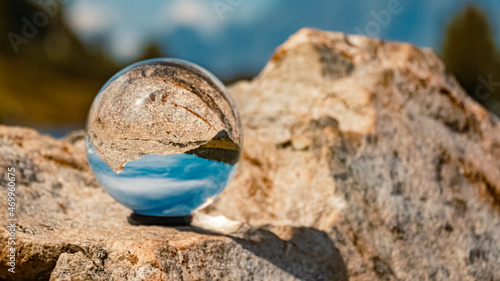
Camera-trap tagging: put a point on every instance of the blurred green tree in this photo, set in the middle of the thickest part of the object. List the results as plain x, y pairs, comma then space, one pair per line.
52, 78
470, 52
151, 51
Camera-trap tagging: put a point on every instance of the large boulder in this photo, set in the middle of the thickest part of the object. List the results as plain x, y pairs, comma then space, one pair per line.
362, 160
376, 144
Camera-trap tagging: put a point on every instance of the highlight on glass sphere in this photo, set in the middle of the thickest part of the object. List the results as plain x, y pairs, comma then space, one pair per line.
163, 137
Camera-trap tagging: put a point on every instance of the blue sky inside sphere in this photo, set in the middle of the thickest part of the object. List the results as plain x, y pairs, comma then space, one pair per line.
235, 37
162, 185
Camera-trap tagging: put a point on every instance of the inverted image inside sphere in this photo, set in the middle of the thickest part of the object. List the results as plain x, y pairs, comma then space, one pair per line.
163, 107
163, 185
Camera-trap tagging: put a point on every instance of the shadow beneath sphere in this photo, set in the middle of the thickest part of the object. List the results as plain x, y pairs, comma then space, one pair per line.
309, 254
137, 219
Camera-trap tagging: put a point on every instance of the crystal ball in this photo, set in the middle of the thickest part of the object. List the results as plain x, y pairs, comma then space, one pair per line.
163, 137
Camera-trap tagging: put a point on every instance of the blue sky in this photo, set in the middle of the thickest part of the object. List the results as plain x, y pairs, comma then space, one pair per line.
232, 37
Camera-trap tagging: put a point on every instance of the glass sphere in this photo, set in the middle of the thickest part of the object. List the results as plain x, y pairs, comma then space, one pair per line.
163, 137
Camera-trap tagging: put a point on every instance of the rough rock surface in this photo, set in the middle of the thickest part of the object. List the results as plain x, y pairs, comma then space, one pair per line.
376, 144
362, 160
69, 229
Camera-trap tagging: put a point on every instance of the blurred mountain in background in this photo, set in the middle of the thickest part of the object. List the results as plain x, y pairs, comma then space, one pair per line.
470, 52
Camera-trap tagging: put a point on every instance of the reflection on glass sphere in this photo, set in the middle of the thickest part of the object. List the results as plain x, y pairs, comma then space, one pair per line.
163, 137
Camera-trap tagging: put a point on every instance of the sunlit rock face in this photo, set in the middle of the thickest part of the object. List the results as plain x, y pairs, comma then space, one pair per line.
364, 158
163, 137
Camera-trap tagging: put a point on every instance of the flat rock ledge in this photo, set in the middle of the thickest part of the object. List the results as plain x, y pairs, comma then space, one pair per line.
362, 160
69, 229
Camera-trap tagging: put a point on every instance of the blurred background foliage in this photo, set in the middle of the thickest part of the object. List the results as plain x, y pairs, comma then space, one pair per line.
51, 81
470, 52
